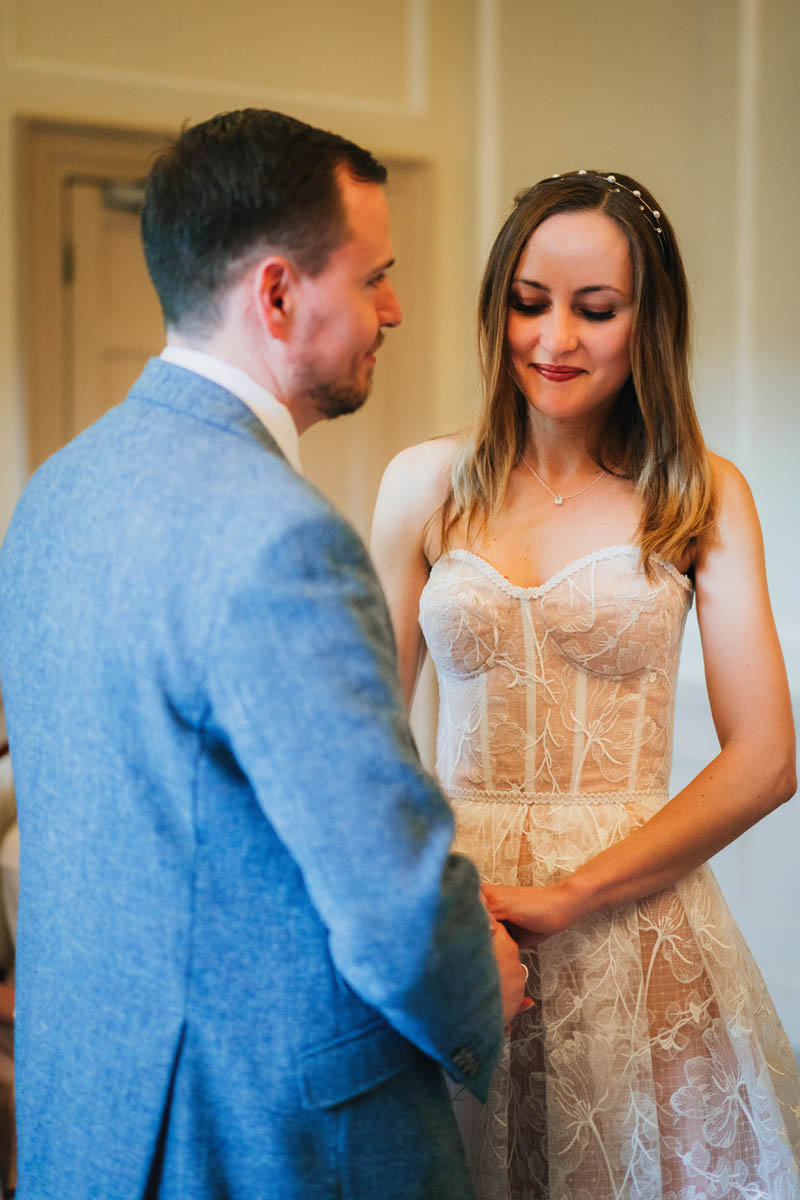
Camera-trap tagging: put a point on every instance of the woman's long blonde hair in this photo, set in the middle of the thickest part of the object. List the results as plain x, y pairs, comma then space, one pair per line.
652, 436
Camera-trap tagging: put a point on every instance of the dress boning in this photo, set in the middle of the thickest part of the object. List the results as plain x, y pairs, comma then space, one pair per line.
654, 1066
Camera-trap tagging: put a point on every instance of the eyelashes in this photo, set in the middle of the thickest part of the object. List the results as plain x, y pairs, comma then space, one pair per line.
535, 310
530, 310
604, 315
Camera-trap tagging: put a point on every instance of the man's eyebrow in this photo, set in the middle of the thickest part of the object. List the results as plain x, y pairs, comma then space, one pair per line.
592, 287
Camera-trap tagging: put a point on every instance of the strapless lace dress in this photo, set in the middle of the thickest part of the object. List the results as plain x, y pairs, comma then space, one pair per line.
654, 1066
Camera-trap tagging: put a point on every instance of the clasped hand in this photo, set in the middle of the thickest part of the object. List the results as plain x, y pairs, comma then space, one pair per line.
520, 918
530, 914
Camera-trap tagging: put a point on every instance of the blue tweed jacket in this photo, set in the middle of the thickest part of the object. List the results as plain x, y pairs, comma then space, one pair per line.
244, 945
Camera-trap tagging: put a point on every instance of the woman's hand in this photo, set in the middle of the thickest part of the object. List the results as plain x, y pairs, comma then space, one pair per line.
531, 913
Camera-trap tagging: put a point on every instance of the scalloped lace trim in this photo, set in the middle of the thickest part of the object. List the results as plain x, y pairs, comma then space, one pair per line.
520, 796
513, 589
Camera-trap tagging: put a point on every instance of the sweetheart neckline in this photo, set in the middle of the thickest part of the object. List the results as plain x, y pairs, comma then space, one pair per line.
625, 548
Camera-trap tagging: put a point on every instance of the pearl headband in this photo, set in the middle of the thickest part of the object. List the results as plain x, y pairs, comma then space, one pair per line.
617, 185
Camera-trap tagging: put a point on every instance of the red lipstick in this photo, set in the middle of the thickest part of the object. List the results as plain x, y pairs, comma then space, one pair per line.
557, 374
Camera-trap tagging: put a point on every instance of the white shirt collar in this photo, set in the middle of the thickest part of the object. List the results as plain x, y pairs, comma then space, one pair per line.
274, 416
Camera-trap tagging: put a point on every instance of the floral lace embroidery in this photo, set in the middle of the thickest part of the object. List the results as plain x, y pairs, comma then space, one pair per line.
654, 1066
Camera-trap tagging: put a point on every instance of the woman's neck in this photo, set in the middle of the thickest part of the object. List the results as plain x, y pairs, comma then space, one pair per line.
569, 448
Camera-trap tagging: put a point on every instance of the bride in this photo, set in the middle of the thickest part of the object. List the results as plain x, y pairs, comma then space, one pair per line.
547, 561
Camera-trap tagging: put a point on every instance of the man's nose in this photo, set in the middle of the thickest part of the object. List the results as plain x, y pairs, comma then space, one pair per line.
390, 312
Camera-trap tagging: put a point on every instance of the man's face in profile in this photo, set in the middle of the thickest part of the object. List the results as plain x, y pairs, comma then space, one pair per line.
345, 307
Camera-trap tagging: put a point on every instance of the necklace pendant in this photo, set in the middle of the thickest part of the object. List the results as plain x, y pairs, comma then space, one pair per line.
557, 499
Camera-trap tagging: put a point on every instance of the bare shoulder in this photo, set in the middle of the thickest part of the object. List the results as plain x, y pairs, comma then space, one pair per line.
426, 465
736, 530
413, 489
734, 500
727, 476
416, 481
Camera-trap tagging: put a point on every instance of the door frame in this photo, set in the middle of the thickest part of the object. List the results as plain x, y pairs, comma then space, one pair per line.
48, 154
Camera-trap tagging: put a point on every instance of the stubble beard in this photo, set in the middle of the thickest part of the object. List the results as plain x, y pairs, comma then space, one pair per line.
332, 400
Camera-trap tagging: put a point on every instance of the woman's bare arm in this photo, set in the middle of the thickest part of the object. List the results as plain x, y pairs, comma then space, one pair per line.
413, 487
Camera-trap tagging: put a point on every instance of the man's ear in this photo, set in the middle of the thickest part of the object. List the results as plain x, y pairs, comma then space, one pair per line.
273, 295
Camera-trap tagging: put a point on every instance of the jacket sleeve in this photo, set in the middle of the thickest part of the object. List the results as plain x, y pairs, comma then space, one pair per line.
302, 678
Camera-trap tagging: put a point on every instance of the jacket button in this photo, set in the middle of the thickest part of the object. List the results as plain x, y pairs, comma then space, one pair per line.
465, 1060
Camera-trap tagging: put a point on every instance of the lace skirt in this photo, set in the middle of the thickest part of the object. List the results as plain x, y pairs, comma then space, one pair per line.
654, 1066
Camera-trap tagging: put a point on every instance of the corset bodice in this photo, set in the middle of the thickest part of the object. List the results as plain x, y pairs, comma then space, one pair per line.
563, 688
555, 739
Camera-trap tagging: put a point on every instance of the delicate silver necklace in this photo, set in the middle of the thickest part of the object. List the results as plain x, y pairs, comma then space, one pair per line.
556, 497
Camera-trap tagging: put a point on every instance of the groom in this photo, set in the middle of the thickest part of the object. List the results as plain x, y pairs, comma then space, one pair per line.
245, 949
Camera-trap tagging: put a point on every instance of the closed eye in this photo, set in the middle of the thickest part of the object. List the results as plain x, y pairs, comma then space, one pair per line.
535, 309
530, 310
592, 314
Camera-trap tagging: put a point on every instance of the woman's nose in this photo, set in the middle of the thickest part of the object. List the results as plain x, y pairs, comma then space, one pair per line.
558, 332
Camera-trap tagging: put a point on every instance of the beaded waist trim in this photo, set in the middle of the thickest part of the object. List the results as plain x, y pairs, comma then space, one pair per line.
521, 796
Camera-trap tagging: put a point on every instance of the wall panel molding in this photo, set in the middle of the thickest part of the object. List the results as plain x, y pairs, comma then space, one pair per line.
746, 144
413, 103
487, 139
